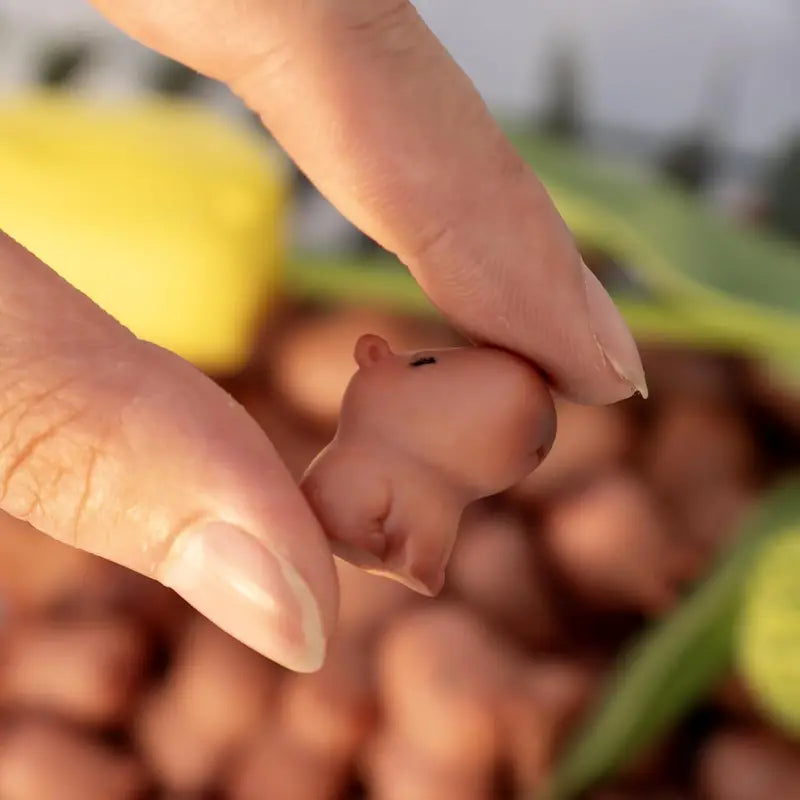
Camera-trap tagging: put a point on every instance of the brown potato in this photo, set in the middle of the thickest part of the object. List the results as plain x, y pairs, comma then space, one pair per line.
88, 670
498, 570
547, 696
314, 361
396, 770
215, 696
41, 760
679, 373
641, 793
710, 519
276, 768
36, 571
309, 746
181, 796
38, 574
368, 602
159, 609
697, 446
332, 711
776, 393
733, 696
613, 546
440, 677
748, 765
589, 440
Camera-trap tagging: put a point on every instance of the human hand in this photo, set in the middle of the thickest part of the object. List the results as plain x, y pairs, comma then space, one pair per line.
124, 450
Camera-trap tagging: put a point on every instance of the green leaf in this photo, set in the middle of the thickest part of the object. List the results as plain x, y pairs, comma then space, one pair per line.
675, 663
740, 284
380, 281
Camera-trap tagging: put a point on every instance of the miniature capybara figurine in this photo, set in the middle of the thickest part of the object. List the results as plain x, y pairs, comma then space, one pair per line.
420, 437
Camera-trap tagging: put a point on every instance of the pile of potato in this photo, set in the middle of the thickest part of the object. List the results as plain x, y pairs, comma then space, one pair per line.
111, 688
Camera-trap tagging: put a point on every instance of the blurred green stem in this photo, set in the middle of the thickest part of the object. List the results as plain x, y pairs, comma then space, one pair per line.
380, 281
708, 282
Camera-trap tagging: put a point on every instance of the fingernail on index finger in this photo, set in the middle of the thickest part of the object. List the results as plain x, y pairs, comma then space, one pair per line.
255, 595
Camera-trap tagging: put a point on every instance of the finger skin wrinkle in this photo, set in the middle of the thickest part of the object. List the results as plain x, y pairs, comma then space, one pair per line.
18, 481
389, 27
378, 18
157, 555
52, 441
93, 456
431, 244
269, 62
373, 32
24, 408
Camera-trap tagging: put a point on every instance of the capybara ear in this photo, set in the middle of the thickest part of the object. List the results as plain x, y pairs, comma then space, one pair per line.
370, 349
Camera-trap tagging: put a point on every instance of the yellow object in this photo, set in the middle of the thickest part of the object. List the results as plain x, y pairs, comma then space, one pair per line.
770, 632
168, 217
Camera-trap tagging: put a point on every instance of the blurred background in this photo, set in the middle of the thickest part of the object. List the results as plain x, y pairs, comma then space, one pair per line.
622, 624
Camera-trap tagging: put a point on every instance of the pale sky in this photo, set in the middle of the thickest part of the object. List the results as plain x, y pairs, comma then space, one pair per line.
648, 64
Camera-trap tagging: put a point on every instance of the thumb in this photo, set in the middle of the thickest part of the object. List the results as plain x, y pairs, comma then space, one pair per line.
122, 449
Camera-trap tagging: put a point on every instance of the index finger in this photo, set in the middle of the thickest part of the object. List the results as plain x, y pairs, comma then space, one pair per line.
371, 106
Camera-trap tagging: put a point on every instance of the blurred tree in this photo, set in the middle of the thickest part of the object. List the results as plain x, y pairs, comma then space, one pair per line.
690, 161
60, 64
175, 79
783, 190
695, 158
562, 117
